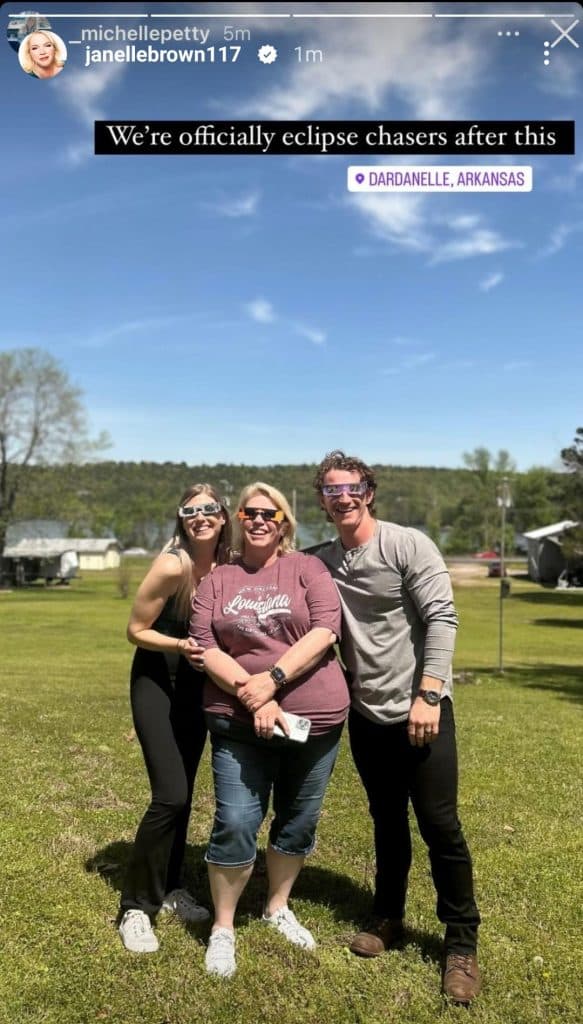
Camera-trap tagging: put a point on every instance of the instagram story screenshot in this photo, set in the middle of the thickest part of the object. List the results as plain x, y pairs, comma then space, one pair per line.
240, 241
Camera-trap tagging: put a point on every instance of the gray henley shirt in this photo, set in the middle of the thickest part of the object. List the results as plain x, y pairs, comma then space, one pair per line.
399, 618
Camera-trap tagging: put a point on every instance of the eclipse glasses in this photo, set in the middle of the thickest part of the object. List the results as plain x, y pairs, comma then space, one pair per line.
274, 515
334, 490
212, 508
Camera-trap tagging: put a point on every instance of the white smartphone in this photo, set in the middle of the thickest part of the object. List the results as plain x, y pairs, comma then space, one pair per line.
299, 727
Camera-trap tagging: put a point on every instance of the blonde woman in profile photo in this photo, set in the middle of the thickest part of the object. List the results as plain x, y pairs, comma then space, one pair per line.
42, 54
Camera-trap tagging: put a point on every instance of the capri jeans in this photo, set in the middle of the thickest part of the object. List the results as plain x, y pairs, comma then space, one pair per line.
246, 770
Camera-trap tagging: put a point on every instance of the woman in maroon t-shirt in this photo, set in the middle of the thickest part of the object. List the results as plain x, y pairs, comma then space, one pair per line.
268, 623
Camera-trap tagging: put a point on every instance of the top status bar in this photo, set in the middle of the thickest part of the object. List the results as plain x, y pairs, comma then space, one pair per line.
251, 17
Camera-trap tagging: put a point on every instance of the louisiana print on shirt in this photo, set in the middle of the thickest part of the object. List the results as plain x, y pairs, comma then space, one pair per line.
258, 609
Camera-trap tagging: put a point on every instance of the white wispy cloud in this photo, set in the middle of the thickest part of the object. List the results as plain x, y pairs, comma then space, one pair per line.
261, 311
236, 206
464, 221
478, 241
409, 221
396, 218
491, 281
411, 362
563, 77
558, 238
362, 61
117, 332
79, 152
313, 334
570, 180
84, 90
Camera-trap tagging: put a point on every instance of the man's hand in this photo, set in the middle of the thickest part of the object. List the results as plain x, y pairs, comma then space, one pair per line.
423, 724
268, 716
256, 691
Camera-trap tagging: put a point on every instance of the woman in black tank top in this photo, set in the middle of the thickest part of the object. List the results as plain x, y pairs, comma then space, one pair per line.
166, 693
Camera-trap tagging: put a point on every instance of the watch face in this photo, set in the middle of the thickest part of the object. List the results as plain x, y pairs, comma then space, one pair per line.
431, 697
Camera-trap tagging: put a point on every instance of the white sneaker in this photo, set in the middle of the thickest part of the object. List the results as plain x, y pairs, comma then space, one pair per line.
136, 932
220, 954
287, 923
181, 903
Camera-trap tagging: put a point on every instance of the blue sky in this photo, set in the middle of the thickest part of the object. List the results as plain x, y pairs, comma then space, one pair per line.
250, 309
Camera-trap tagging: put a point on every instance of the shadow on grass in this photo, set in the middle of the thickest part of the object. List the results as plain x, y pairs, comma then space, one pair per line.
565, 681
111, 863
561, 623
349, 903
548, 595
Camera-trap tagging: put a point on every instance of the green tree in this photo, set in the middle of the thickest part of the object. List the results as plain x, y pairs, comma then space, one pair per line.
572, 458
42, 421
476, 524
536, 498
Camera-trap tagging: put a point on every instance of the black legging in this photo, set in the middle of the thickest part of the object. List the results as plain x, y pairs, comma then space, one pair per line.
169, 722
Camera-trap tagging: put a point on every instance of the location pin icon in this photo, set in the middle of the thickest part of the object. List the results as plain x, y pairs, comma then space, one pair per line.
359, 178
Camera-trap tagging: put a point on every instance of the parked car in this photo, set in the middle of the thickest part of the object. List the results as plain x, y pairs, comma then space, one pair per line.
495, 569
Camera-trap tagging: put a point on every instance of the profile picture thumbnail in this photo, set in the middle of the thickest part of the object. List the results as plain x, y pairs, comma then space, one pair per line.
42, 54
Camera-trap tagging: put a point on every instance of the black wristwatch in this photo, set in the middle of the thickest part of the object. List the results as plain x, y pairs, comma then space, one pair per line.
431, 697
278, 675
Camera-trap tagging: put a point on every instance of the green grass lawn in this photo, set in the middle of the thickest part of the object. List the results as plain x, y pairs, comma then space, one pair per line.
73, 788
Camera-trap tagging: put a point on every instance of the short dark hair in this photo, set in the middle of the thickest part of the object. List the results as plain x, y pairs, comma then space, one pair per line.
339, 460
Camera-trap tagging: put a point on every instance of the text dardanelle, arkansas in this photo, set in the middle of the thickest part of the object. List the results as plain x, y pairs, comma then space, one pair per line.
432, 178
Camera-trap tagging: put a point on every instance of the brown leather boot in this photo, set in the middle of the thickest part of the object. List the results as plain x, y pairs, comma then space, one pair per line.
378, 938
461, 977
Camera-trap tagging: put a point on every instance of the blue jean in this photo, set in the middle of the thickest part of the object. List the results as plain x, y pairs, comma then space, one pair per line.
246, 770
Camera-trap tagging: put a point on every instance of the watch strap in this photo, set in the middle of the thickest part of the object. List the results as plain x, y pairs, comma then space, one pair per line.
278, 675
431, 697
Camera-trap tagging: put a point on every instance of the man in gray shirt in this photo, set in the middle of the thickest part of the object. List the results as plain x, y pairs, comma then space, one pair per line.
397, 644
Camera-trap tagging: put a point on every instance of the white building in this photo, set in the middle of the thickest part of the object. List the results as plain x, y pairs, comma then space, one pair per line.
60, 557
546, 560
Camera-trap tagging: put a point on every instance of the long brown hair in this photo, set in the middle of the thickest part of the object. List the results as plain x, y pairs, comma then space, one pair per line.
180, 543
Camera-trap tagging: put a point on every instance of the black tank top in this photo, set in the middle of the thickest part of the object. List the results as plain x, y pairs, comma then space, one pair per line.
169, 621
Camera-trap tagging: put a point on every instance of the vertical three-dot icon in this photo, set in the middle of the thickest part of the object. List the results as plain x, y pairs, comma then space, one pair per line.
547, 53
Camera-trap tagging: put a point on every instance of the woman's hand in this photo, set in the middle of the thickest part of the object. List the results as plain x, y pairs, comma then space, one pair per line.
256, 691
268, 716
192, 652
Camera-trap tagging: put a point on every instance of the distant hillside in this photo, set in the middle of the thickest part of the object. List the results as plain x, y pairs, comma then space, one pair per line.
136, 501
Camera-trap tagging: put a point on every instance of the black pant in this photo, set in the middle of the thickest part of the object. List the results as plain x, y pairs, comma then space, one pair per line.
169, 722
392, 771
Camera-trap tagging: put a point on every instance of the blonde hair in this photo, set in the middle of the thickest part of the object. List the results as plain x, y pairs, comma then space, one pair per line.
288, 540
179, 542
25, 59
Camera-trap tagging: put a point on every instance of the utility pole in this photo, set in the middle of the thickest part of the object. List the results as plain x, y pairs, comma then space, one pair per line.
504, 501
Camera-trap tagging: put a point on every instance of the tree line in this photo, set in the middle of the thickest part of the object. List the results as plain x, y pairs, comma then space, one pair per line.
136, 501
49, 470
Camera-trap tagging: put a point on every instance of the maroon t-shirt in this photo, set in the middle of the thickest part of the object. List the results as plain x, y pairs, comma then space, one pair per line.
257, 614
